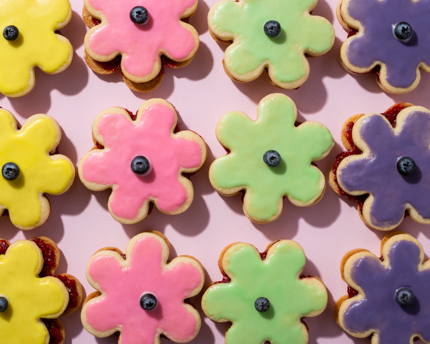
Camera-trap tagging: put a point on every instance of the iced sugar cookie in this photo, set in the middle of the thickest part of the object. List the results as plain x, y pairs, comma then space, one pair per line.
142, 159
29, 39
30, 168
270, 158
272, 35
390, 38
386, 167
140, 37
264, 295
31, 296
141, 295
388, 297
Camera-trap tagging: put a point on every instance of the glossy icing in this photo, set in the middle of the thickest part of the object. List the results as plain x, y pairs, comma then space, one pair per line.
30, 297
123, 282
375, 170
150, 135
38, 44
252, 50
375, 310
141, 45
30, 149
376, 44
244, 167
275, 278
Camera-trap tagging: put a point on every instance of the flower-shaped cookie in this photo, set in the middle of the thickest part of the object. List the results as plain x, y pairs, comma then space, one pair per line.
264, 296
31, 298
143, 161
270, 158
390, 165
28, 169
140, 31
142, 296
270, 34
391, 37
390, 299
29, 40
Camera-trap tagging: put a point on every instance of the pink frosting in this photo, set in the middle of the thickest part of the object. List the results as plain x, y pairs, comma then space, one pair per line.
122, 288
152, 138
142, 44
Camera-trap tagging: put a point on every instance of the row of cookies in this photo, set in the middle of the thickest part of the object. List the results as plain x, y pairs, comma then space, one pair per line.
142, 296
145, 159
140, 37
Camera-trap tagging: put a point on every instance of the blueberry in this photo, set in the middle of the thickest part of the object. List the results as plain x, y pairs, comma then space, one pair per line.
272, 158
406, 166
403, 31
3, 304
140, 165
272, 28
148, 302
139, 15
404, 297
10, 171
11, 33
262, 304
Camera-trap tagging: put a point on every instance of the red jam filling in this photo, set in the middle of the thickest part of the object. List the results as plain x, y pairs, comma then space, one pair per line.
112, 65
352, 292
351, 32
49, 265
391, 115
95, 21
55, 331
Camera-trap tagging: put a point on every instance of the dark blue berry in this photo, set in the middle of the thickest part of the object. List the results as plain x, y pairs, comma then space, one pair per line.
262, 304
3, 304
11, 33
403, 31
148, 302
272, 28
406, 166
404, 297
139, 15
10, 171
272, 158
140, 165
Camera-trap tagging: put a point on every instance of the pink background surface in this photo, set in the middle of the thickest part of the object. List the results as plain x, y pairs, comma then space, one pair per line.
80, 223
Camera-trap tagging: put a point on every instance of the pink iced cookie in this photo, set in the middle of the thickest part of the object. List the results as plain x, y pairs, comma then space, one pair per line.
140, 32
142, 296
142, 160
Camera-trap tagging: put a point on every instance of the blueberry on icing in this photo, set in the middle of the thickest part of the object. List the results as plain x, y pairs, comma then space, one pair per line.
403, 31
3, 304
148, 302
262, 304
404, 297
139, 15
272, 158
272, 28
406, 166
10, 171
11, 33
140, 165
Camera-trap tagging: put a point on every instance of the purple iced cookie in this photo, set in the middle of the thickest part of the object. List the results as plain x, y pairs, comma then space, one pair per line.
390, 167
389, 299
391, 38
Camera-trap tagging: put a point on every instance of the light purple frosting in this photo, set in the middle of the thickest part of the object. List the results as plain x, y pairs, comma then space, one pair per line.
379, 310
378, 174
379, 44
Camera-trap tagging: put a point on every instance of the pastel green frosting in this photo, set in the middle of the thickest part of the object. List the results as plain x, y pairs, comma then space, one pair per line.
244, 21
244, 167
275, 278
